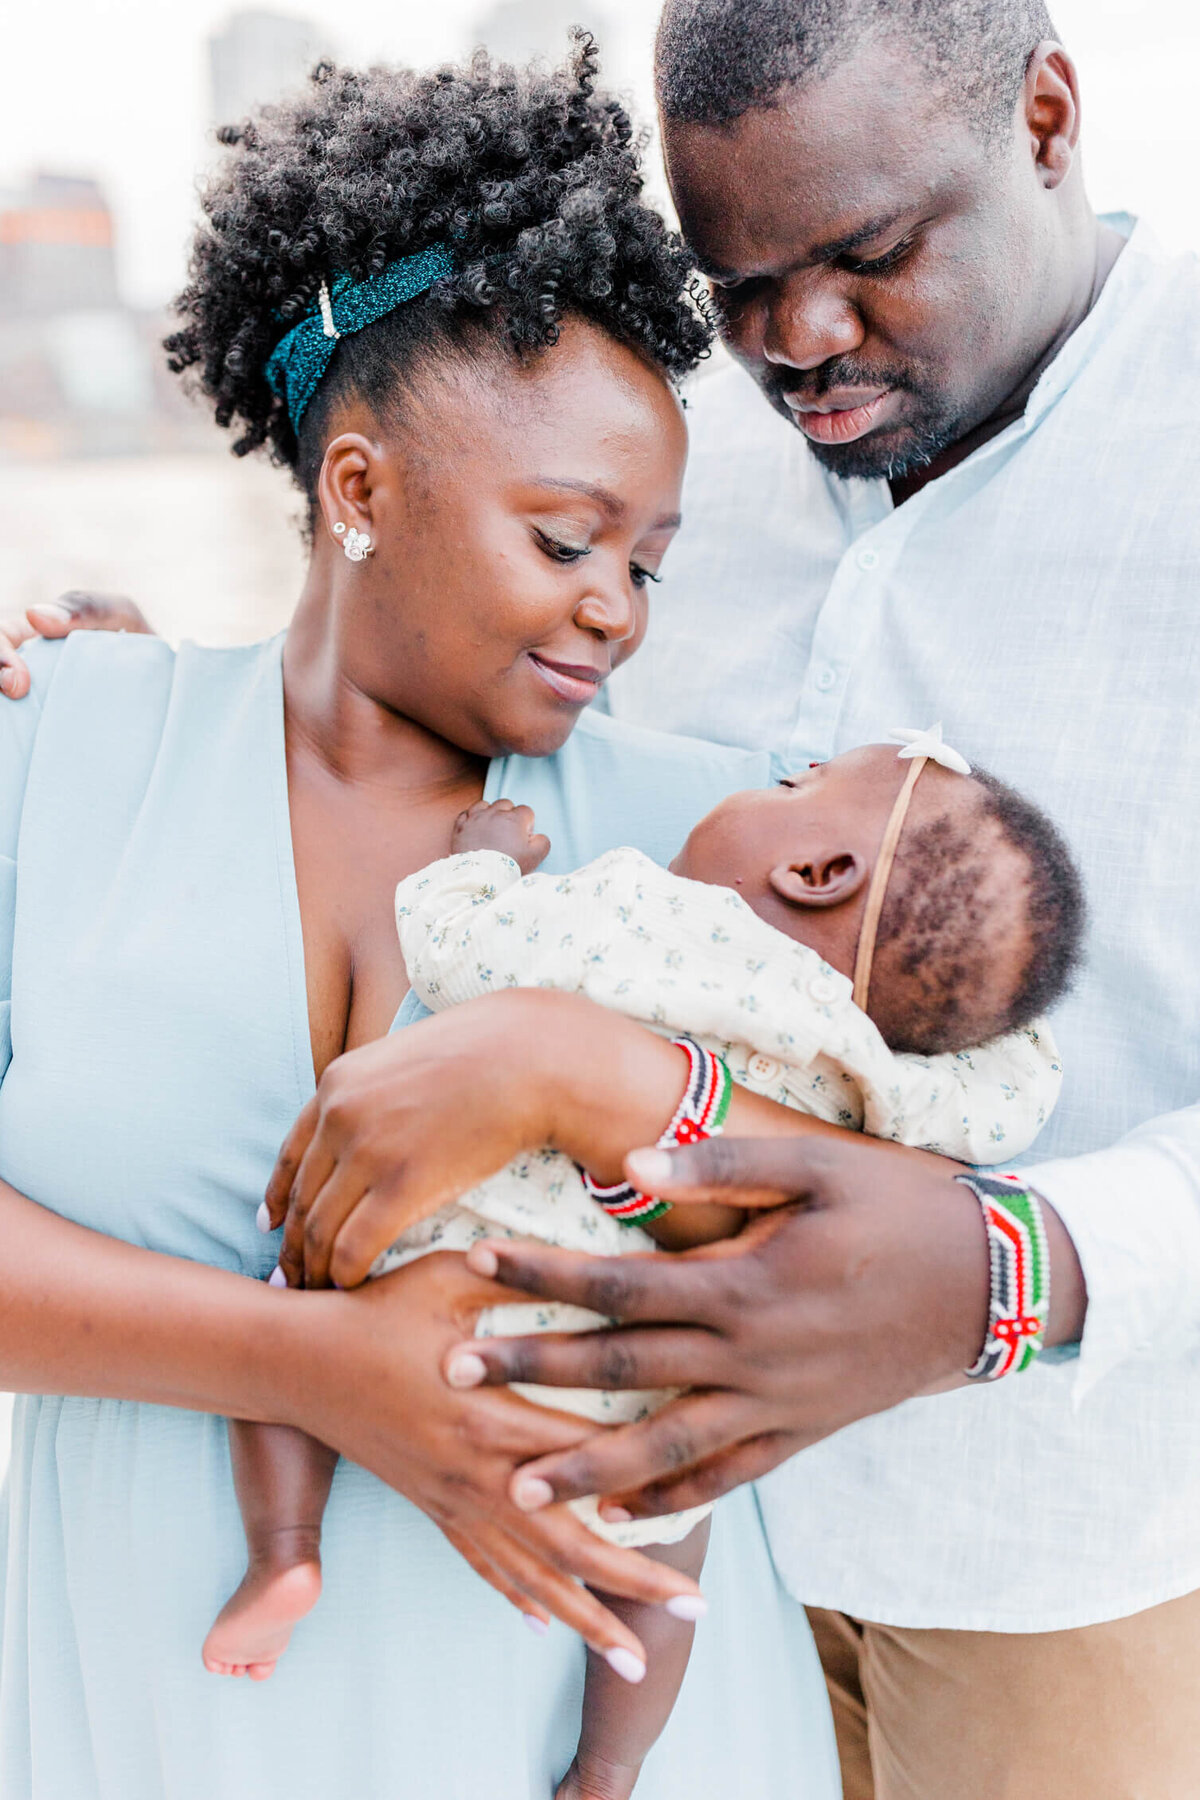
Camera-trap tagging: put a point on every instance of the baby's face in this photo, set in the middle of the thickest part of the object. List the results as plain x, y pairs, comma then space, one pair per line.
825, 815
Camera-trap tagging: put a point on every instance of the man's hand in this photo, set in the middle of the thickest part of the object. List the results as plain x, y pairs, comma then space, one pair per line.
870, 1290
57, 619
499, 825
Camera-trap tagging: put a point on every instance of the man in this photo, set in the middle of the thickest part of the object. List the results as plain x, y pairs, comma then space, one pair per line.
975, 505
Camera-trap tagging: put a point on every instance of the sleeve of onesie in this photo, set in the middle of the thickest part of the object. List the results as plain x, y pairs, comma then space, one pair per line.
979, 1106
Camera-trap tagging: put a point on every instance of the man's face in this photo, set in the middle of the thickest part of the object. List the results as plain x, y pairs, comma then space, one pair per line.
885, 274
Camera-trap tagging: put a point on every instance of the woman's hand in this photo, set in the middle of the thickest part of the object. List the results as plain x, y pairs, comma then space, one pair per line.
401, 1126
871, 1290
57, 619
365, 1379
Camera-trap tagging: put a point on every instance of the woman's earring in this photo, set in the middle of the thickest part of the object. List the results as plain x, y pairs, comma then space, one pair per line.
356, 544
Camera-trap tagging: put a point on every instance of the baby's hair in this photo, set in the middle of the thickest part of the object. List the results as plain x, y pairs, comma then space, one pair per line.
934, 946
530, 178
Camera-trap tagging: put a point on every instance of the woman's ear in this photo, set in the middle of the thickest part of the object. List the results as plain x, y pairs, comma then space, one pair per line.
346, 483
820, 882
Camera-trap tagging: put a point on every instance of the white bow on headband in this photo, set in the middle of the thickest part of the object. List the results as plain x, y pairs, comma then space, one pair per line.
928, 743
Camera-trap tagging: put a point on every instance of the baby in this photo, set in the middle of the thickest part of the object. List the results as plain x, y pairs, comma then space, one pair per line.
868, 942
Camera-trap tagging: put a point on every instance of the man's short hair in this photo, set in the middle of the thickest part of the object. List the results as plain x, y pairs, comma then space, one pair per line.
717, 59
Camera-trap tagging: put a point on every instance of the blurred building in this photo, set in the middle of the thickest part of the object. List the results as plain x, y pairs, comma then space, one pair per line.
519, 29
56, 247
258, 57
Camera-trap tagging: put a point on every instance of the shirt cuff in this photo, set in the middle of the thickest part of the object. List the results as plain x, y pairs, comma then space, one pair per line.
1133, 1214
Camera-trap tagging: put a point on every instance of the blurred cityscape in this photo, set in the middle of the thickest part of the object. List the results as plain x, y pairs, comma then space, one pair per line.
96, 434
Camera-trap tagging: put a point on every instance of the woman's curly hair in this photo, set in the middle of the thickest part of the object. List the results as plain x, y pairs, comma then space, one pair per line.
531, 178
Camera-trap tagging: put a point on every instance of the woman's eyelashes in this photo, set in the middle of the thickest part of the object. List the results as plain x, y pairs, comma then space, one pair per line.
567, 554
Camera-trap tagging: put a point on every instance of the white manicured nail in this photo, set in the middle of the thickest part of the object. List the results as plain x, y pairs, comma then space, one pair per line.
466, 1371
538, 1627
688, 1607
53, 610
483, 1261
277, 1278
262, 1217
624, 1663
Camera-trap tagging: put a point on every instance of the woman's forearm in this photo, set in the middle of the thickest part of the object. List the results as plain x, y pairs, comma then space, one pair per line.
610, 1086
85, 1314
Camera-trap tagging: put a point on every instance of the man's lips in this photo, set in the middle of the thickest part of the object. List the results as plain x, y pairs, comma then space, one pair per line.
577, 683
838, 418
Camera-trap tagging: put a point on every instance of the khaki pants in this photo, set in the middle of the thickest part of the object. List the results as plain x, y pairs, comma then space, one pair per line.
1109, 1712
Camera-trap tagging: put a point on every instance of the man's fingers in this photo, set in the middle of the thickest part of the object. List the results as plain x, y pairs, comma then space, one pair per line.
684, 1289
77, 611
626, 1358
685, 1432
722, 1473
760, 1170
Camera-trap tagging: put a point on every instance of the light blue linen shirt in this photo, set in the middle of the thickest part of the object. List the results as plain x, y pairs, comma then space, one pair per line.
1043, 600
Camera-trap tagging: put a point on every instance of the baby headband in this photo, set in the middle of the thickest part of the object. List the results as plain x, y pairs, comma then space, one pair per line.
920, 748
344, 306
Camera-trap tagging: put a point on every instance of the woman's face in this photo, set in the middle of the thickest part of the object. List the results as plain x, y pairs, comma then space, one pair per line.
517, 520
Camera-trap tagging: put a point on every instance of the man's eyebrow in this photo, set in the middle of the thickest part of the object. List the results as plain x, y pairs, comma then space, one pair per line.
823, 253
604, 498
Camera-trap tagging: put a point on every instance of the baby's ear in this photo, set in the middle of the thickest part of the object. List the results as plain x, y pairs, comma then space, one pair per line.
822, 881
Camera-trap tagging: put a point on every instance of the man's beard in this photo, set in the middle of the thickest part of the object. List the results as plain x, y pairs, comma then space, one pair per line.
930, 424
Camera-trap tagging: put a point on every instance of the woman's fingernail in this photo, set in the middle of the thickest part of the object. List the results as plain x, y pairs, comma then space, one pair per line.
615, 1515
262, 1217
52, 610
532, 1493
649, 1168
688, 1607
538, 1627
466, 1371
625, 1664
483, 1261
277, 1278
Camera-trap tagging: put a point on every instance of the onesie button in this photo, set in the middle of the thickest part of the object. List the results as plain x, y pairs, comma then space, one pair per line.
824, 990
868, 559
763, 1070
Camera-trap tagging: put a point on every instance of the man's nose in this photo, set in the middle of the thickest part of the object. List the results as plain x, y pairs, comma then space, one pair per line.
809, 323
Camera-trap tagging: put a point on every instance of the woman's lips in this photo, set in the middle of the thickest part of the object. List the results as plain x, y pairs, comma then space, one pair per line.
838, 425
577, 683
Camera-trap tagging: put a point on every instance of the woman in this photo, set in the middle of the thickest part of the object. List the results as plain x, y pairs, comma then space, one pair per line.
197, 855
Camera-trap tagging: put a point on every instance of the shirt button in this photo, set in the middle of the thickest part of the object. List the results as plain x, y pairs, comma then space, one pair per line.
762, 1070
825, 678
868, 559
824, 990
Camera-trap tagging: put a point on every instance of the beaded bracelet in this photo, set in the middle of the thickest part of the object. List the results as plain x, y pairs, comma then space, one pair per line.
1019, 1260
699, 1115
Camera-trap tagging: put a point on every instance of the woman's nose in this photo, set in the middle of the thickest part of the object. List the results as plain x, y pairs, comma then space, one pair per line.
809, 323
611, 611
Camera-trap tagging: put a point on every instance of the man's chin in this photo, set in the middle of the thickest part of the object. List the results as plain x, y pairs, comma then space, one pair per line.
882, 455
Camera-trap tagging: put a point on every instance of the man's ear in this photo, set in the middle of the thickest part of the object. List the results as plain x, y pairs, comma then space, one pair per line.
820, 882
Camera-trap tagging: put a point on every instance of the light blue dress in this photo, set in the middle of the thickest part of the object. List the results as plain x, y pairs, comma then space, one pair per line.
154, 1050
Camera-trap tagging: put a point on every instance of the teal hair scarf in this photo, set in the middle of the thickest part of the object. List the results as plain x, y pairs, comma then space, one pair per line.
299, 361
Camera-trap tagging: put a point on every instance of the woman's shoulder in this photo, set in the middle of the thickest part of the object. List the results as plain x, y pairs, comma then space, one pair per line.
614, 783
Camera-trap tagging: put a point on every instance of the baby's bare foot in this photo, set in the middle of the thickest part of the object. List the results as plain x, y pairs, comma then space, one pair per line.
254, 1627
595, 1778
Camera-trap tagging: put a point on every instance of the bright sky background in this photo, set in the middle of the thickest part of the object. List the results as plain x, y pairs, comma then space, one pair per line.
118, 88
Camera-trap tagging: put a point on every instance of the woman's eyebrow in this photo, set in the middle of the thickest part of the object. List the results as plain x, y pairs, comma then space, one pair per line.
605, 499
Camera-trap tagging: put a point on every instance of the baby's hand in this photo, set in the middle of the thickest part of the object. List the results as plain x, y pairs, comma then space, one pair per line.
499, 825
